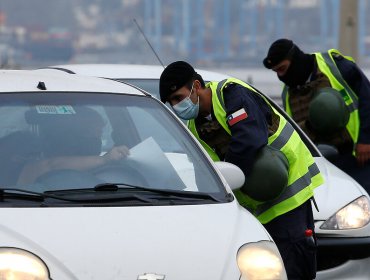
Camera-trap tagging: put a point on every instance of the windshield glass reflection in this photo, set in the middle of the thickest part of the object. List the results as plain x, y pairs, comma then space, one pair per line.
58, 141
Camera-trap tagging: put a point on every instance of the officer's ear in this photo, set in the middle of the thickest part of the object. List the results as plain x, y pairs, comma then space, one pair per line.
197, 85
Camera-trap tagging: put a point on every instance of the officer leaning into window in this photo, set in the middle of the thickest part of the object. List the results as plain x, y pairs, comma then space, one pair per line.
234, 123
329, 97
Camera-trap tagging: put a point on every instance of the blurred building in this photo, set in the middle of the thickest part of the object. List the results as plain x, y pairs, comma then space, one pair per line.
205, 32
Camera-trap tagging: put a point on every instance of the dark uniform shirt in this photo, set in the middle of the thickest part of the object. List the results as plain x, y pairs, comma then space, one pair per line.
359, 83
247, 135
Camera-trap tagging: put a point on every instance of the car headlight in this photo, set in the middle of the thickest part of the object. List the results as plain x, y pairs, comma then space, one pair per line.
18, 264
354, 215
260, 260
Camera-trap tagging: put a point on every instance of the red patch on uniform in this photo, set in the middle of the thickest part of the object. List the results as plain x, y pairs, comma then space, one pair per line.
237, 116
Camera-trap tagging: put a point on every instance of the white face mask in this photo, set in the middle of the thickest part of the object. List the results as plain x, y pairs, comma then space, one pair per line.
186, 109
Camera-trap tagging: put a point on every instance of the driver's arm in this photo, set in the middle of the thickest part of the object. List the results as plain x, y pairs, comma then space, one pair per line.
35, 169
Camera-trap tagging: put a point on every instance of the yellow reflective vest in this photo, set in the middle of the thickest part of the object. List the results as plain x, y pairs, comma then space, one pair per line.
304, 175
327, 66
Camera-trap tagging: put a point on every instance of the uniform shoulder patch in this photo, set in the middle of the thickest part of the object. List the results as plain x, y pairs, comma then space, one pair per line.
237, 116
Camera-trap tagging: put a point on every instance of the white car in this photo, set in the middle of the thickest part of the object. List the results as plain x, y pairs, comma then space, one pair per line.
144, 76
342, 222
100, 180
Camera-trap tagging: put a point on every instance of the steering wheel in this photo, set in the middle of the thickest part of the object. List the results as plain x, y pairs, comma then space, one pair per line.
120, 172
68, 179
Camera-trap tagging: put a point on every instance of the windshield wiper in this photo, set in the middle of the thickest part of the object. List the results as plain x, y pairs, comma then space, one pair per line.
165, 192
130, 189
64, 195
22, 194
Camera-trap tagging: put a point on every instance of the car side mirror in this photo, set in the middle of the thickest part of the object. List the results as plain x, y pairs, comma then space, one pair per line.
233, 175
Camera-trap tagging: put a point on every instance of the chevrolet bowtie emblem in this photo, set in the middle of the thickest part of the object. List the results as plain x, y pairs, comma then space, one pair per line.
150, 276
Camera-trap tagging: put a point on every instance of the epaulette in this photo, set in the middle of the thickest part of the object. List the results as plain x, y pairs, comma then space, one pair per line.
229, 84
337, 56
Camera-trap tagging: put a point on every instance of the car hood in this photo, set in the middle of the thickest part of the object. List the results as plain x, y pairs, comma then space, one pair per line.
124, 242
338, 190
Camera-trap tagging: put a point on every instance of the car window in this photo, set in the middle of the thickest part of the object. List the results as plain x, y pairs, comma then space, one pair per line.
38, 129
149, 85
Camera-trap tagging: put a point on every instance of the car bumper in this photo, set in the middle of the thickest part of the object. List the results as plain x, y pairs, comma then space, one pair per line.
335, 252
354, 269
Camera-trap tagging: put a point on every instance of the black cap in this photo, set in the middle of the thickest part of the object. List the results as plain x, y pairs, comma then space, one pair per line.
173, 77
279, 50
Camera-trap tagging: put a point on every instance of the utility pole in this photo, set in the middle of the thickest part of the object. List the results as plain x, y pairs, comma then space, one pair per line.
348, 28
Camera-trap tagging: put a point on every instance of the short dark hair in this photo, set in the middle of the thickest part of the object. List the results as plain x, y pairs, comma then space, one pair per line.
198, 77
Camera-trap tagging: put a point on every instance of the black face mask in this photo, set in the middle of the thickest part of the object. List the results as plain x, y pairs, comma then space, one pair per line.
300, 68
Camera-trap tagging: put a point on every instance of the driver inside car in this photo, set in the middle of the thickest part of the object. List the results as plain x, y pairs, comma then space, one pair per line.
16, 150
71, 142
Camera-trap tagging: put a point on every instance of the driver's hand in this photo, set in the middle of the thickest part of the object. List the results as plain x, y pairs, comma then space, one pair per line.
117, 153
362, 153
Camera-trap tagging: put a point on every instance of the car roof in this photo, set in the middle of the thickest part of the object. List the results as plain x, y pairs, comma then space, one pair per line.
129, 71
29, 80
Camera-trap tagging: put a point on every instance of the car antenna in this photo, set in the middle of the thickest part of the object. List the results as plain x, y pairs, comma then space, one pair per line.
146, 39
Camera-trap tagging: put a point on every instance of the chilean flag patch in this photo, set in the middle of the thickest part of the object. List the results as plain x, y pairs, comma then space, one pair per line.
237, 117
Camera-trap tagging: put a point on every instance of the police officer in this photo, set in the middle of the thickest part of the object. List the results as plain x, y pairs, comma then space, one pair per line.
234, 123
305, 75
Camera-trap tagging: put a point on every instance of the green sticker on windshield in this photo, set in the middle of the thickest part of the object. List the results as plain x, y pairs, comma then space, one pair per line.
55, 109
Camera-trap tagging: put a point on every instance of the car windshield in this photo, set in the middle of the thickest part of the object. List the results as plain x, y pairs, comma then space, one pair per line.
62, 141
